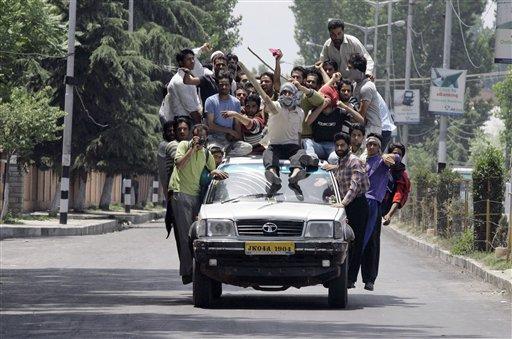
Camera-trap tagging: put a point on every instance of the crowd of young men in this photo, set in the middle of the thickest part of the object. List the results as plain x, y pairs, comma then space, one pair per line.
330, 115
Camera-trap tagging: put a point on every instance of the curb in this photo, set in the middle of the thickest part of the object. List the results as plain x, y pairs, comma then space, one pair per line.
473, 267
13, 231
112, 224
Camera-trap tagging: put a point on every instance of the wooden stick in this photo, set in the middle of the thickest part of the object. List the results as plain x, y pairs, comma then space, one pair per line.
264, 63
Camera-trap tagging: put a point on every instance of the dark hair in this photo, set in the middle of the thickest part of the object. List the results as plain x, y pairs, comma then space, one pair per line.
342, 136
398, 145
376, 135
268, 74
313, 71
359, 127
168, 125
299, 69
333, 63
255, 98
358, 61
181, 55
223, 74
232, 56
347, 82
248, 86
335, 23
180, 120
240, 86
201, 127
215, 149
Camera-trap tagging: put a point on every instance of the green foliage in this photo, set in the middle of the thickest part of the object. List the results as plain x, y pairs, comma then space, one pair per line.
26, 120
488, 184
503, 91
448, 187
311, 25
29, 31
463, 244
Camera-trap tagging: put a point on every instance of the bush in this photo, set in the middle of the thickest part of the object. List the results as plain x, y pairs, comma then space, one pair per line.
463, 244
448, 188
488, 183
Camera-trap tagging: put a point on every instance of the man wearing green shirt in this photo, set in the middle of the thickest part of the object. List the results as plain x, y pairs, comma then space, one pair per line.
190, 160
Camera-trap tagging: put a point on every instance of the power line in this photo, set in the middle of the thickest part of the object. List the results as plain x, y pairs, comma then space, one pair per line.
38, 54
458, 15
87, 111
414, 62
462, 34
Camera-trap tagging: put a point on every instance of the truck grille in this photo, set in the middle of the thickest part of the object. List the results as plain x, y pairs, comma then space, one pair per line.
254, 227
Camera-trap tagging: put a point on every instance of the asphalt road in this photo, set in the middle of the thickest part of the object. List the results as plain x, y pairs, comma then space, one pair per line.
126, 284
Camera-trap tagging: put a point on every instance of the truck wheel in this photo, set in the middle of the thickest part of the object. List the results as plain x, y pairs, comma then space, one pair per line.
216, 289
338, 296
202, 292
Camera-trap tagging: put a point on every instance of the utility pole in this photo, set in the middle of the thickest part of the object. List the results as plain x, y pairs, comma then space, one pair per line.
68, 119
127, 181
130, 16
443, 122
387, 90
375, 36
408, 51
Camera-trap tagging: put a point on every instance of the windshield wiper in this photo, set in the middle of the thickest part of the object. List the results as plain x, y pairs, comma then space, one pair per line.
253, 195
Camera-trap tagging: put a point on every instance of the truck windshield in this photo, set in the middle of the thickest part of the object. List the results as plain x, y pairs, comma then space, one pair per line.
247, 182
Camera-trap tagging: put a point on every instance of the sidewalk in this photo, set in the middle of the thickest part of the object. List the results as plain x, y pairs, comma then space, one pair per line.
89, 223
500, 279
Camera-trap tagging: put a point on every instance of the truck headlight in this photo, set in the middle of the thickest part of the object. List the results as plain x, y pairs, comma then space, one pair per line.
220, 228
319, 229
201, 228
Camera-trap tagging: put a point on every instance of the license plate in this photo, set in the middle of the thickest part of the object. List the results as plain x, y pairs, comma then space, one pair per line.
269, 247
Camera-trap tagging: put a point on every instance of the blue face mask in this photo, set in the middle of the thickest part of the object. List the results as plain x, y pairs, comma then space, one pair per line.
285, 100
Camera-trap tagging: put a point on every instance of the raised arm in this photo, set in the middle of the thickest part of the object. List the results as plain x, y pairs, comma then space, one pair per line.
269, 104
319, 66
188, 78
277, 70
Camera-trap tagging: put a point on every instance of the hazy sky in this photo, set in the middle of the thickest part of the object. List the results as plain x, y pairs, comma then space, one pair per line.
270, 24
266, 24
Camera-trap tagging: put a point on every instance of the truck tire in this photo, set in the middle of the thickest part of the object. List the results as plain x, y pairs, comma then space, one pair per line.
202, 291
216, 289
338, 296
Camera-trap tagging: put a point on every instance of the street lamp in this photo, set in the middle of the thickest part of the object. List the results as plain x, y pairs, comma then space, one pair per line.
366, 30
377, 5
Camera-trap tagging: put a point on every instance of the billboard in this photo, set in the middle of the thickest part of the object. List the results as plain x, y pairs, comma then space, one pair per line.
503, 44
447, 88
407, 106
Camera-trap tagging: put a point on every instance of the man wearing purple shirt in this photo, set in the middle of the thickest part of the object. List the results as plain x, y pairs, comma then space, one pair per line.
377, 167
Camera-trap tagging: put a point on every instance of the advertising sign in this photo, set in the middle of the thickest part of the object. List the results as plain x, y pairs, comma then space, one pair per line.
447, 91
407, 106
503, 44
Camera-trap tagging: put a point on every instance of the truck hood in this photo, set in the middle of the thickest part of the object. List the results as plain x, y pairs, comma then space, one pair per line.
270, 210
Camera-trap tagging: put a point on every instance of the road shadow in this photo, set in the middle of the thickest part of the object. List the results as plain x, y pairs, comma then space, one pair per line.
106, 303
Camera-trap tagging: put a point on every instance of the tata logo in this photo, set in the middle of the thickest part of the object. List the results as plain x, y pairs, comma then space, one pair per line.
269, 228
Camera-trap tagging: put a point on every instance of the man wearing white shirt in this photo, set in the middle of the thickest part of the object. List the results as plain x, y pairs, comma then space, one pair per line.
341, 46
183, 99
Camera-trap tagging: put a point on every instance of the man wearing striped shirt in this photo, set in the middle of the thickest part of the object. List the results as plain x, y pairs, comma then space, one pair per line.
353, 182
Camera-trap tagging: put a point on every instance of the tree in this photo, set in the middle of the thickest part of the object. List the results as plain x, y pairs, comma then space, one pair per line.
503, 92
25, 120
30, 32
311, 25
488, 188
